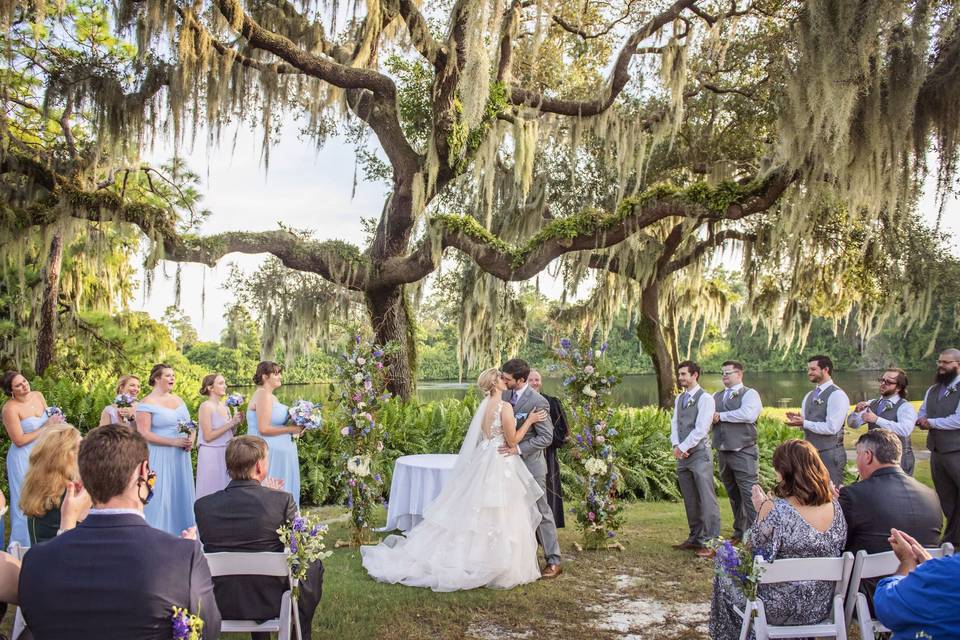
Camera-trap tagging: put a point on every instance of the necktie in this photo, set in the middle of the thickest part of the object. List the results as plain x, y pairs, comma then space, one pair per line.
816, 393
514, 396
943, 392
683, 398
726, 395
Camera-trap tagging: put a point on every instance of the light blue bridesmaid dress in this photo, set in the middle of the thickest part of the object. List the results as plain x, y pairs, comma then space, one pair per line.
172, 506
284, 462
18, 459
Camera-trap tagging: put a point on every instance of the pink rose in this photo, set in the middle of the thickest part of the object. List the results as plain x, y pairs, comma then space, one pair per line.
591, 516
379, 365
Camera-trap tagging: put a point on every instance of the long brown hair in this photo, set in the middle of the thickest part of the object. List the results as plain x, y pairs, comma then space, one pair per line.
207, 382
53, 463
803, 475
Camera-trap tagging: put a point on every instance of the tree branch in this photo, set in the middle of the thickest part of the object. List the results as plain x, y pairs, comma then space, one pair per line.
701, 248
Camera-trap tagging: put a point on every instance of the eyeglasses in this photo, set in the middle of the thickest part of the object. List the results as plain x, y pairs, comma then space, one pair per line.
886, 381
946, 361
728, 373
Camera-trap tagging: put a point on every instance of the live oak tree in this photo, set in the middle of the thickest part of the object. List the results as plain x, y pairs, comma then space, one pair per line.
856, 96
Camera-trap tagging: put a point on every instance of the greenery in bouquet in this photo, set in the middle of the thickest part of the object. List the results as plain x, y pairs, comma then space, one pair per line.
304, 538
738, 563
362, 377
587, 384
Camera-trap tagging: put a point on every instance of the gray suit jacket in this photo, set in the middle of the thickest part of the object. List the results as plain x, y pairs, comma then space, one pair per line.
540, 435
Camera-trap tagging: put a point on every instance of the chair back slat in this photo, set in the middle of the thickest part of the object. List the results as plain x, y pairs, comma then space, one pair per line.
260, 563
798, 569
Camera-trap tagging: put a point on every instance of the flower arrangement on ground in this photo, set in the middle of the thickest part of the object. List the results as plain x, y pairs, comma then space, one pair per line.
587, 384
304, 538
362, 376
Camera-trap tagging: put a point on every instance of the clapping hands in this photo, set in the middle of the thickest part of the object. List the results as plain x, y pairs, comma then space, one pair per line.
273, 483
909, 552
794, 419
758, 496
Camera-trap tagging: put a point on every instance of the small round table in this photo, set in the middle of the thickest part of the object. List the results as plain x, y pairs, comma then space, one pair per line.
417, 480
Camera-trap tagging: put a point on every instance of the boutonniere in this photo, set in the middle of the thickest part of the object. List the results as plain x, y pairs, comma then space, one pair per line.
951, 389
734, 394
521, 416
818, 401
689, 402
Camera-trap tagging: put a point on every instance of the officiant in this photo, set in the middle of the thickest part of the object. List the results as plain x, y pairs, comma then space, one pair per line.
560, 431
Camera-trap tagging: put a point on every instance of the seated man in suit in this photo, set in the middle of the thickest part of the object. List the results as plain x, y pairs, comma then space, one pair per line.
886, 498
245, 517
115, 576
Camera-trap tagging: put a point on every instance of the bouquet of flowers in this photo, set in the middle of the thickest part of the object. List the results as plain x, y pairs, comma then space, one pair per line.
234, 400
738, 562
304, 537
54, 411
124, 400
186, 427
306, 414
186, 626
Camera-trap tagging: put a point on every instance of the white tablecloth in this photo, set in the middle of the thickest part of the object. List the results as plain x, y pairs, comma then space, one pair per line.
417, 480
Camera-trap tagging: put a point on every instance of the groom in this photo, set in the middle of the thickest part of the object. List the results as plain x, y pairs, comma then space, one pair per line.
524, 400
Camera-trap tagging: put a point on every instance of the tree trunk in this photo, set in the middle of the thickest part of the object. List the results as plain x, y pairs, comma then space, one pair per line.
48, 310
392, 321
656, 343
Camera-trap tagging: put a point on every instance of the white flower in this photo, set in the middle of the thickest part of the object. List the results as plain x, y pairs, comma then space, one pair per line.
595, 466
361, 361
589, 392
597, 353
588, 370
358, 378
359, 466
601, 439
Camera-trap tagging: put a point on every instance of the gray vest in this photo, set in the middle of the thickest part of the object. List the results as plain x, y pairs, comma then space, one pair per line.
817, 412
942, 440
732, 436
891, 415
687, 419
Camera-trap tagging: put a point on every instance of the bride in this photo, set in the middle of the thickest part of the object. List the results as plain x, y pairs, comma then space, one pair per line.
480, 530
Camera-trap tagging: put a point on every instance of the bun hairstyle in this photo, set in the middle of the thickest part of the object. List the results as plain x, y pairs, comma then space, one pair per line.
207, 382
488, 379
264, 369
6, 383
122, 382
156, 372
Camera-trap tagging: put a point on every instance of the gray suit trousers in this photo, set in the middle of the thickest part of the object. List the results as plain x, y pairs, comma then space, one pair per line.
835, 460
738, 472
695, 475
945, 469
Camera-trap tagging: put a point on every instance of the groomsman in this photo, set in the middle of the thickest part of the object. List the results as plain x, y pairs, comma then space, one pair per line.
822, 415
560, 430
689, 427
735, 439
890, 411
940, 414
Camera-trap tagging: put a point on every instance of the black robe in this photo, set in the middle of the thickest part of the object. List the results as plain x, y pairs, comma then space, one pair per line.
560, 430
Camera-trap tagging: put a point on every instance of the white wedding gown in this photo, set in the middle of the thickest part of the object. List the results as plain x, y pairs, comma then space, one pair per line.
480, 530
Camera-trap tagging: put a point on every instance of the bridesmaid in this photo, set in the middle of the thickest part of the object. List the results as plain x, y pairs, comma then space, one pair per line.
216, 429
266, 417
112, 414
171, 508
24, 418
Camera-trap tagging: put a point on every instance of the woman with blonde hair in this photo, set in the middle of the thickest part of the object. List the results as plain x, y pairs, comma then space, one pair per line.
481, 530
113, 413
51, 476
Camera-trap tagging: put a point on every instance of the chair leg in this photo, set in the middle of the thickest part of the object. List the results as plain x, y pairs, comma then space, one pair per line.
839, 618
295, 611
284, 632
747, 617
760, 630
864, 620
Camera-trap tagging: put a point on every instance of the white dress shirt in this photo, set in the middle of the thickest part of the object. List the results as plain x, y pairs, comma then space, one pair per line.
946, 423
706, 407
906, 418
116, 511
838, 404
750, 406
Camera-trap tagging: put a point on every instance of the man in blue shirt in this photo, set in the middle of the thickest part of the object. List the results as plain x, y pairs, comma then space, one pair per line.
921, 597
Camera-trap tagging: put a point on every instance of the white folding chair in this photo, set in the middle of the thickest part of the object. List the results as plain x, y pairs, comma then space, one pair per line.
836, 570
876, 565
262, 563
19, 624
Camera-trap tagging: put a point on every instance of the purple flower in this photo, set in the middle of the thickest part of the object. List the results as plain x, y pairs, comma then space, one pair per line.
314, 531
357, 338
610, 534
299, 524
378, 353
565, 343
181, 626
728, 558
293, 544
603, 347
591, 516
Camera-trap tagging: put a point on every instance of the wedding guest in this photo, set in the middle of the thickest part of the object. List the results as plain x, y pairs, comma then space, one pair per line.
114, 576
53, 471
920, 599
803, 521
216, 429
689, 425
158, 418
735, 439
890, 411
267, 417
112, 414
245, 517
940, 416
24, 418
822, 415
560, 431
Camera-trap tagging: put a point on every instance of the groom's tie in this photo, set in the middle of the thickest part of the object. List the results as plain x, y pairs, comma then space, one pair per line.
514, 396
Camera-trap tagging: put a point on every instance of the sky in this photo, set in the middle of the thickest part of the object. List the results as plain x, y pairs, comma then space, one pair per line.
304, 188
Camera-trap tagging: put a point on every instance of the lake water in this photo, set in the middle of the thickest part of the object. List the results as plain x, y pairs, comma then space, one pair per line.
776, 389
